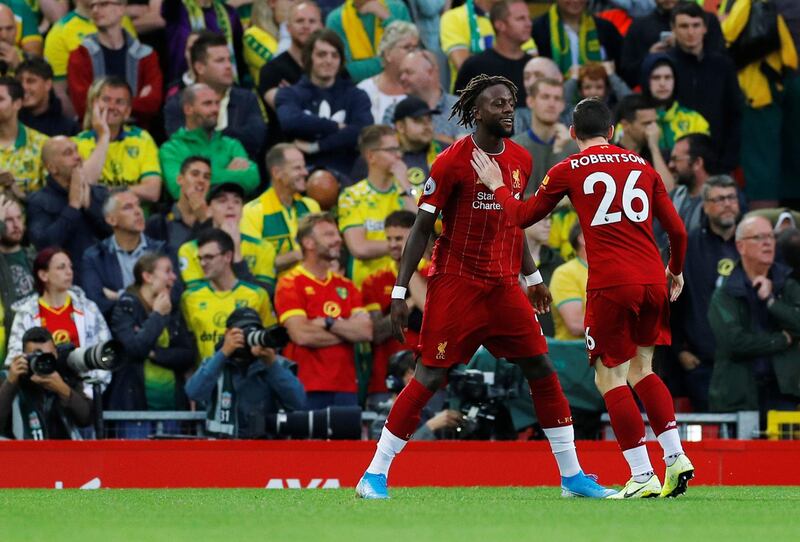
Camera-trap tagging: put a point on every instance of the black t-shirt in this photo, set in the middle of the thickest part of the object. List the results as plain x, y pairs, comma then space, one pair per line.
492, 63
115, 61
281, 68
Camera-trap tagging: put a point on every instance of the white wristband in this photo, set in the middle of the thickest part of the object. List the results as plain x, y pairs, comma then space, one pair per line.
533, 279
399, 292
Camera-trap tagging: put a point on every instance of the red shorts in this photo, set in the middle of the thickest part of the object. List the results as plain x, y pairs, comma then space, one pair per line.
460, 315
620, 319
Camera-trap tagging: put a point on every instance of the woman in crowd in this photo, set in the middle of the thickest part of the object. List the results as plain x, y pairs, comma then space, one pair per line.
267, 35
60, 307
384, 89
158, 346
593, 79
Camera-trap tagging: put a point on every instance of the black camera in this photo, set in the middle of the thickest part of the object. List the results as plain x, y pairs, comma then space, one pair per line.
76, 361
334, 423
255, 334
481, 398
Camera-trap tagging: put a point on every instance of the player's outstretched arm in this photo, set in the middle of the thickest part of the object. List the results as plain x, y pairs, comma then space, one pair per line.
412, 253
523, 214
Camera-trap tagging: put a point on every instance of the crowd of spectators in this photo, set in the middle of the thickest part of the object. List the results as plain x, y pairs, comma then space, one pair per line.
155, 188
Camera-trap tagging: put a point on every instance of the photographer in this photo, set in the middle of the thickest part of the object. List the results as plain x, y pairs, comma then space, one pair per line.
41, 406
241, 385
433, 425
159, 348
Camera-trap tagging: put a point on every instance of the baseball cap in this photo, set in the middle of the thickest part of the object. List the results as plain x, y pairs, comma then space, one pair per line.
413, 107
221, 188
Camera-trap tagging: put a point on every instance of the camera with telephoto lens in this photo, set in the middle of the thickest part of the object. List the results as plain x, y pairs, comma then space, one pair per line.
481, 397
72, 361
331, 423
255, 334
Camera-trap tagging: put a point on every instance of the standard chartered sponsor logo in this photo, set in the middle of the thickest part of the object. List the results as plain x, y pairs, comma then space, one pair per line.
485, 201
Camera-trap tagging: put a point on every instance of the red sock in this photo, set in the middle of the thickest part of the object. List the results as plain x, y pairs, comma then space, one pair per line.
657, 402
625, 417
550, 403
405, 414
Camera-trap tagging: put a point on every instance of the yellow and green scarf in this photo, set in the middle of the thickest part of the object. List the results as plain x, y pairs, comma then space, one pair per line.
560, 45
356, 35
198, 22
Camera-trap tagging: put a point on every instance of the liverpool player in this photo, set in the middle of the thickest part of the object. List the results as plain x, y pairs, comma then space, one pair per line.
616, 195
474, 270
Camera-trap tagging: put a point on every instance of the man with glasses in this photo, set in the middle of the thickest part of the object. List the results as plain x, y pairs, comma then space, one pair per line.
364, 206
207, 304
755, 317
115, 51
710, 258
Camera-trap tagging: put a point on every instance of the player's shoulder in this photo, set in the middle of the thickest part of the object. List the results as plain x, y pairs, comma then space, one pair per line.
456, 151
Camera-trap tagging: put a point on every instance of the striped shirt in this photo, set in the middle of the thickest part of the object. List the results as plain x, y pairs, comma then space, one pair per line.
478, 242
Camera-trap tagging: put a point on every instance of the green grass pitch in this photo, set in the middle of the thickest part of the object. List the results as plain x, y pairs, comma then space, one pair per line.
708, 514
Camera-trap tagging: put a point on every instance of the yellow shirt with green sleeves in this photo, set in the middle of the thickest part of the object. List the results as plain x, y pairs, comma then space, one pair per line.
678, 121
259, 255
23, 159
362, 205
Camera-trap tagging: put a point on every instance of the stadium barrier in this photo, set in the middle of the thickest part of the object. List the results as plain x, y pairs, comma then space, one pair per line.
317, 464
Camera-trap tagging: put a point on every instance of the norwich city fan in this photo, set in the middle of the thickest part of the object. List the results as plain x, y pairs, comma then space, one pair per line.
273, 216
21, 167
207, 305
253, 260
364, 206
324, 315
132, 158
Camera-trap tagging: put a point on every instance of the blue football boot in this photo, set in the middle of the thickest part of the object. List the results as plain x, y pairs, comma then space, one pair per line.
583, 485
372, 486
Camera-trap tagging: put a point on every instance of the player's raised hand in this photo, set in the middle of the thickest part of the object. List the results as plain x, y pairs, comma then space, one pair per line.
540, 298
676, 287
399, 313
487, 169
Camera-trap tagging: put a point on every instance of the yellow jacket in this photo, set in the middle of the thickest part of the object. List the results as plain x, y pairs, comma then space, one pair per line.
752, 80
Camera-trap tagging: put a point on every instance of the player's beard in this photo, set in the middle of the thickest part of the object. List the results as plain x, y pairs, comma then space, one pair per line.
497, 130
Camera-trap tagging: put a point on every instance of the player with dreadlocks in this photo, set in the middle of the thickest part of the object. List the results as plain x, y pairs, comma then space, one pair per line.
475, 268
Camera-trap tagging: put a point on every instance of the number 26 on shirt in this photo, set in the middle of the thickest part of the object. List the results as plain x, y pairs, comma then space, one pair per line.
629, 194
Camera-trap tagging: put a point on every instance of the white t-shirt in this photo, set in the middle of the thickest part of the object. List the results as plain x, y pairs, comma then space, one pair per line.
380, 101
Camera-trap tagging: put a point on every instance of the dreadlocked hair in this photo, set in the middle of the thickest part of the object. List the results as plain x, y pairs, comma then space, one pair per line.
467, 97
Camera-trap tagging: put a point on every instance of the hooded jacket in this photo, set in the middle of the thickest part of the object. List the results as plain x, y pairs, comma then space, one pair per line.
674, 120
313, 113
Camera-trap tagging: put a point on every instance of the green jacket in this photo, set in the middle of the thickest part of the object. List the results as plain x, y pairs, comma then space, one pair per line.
220, 149
743, 337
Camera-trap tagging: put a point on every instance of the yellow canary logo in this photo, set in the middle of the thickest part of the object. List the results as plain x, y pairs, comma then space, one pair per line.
61, 336
332, 309
441, 348
725, 267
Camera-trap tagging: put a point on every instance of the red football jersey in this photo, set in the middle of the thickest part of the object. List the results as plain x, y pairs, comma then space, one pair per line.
616, 193
478, 240
377, 293
299, 293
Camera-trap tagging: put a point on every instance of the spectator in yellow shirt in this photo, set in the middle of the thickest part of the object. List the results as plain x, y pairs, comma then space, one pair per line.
568, 287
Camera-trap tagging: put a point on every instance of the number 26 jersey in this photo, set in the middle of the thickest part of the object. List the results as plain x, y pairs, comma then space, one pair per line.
616, 194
